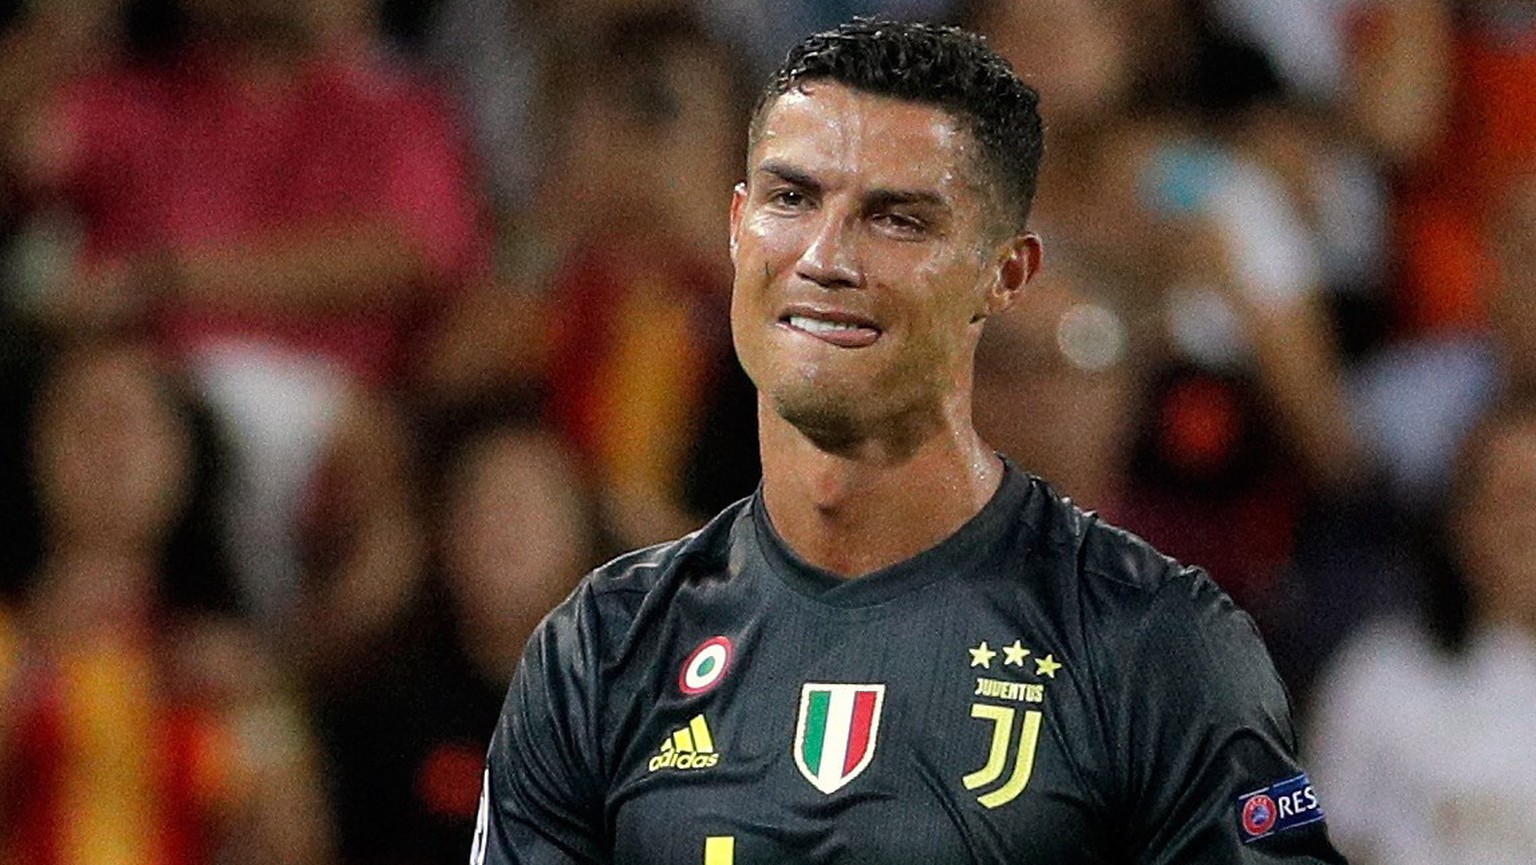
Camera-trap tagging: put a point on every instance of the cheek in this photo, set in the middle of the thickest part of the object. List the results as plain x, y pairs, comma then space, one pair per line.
766, 253
950, 298
768, 245
746, 301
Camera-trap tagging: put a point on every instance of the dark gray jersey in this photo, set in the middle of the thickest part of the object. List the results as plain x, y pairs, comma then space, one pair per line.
1039, 688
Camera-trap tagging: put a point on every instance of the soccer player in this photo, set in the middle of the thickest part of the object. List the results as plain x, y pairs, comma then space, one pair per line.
902, 648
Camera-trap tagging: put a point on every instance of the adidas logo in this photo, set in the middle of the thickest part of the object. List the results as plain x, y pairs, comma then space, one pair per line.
689, 748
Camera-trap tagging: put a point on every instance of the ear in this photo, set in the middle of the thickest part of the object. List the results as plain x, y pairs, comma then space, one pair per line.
1020, 262
738, 204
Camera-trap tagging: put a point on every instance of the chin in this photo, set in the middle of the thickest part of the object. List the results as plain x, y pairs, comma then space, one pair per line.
823, 415
838, 419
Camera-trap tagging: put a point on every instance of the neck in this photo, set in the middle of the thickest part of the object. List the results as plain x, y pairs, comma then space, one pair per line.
866, 507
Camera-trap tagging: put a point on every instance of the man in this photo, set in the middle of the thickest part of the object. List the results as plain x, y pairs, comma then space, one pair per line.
901, 649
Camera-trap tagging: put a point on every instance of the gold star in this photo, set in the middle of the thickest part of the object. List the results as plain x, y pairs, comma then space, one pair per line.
1015, 654
1047, 666
982, 656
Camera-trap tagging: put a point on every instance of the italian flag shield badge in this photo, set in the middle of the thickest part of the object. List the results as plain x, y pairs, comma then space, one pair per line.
836, 731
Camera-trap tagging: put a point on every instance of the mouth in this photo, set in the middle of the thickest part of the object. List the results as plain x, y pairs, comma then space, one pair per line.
835, 327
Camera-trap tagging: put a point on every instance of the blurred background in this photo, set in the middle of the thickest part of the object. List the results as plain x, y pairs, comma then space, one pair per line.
338, 338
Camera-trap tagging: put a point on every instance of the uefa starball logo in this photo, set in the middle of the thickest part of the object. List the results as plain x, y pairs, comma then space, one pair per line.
1259, 815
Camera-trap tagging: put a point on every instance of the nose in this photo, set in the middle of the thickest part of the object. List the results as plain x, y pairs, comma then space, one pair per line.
831, 259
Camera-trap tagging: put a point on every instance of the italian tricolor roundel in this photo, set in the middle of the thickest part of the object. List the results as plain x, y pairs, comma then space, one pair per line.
705, 666
835, 734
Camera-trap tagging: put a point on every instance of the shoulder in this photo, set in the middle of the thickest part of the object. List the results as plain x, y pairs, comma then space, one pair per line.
611, 603
1137, 609
1379, 699
1100, 556
644, 571
1160, 614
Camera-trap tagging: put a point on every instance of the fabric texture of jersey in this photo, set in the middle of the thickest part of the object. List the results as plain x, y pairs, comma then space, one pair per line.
1040, 687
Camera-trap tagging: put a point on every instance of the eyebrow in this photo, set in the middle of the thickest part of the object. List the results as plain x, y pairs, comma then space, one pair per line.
880, 199
874, 199
790, 174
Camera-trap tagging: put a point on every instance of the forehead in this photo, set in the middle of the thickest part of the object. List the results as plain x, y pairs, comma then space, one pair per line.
847, 136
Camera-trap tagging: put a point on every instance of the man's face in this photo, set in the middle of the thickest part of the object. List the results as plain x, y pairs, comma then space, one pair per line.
867, 251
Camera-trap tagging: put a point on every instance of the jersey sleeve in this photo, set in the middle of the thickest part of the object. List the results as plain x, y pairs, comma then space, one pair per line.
1207, 740
542, 799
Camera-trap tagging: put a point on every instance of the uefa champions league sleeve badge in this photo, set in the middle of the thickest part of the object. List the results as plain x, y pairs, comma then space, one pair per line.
1277, 808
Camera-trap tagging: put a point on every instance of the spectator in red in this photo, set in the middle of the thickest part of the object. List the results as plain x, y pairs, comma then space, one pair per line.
262, 183
282, 211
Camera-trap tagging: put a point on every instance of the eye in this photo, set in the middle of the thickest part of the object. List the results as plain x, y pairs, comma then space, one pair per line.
788, 198
900, 223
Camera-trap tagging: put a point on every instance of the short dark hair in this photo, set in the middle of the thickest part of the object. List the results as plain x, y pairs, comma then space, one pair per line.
937, 65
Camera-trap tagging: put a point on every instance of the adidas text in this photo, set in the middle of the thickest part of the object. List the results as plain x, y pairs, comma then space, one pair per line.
674, 760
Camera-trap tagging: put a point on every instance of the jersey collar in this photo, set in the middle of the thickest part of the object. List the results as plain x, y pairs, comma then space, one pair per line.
957, 554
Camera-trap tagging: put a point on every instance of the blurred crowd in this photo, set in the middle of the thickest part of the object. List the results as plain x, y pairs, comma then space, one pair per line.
338, 338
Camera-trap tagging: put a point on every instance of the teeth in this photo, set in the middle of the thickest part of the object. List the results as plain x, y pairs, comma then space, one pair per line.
816, 325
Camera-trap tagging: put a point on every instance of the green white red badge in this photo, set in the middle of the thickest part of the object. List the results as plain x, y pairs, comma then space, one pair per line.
836, 732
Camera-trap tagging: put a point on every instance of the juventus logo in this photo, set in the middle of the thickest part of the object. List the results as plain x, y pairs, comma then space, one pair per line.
1002, 737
